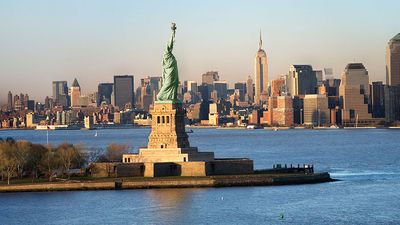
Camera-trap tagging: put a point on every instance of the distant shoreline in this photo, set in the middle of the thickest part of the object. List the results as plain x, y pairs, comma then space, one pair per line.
172, 182
210, 127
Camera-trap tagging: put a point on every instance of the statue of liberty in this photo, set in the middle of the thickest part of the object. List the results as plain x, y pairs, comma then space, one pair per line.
170, 79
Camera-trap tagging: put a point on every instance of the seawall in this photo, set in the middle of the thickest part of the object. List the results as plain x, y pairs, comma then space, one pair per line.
174, 182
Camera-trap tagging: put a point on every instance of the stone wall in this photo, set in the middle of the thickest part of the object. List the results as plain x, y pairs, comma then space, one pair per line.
167, 169
58, 187
130, 170
160, 169
170, 183
193, 169
187, 169
229, 167
148, 169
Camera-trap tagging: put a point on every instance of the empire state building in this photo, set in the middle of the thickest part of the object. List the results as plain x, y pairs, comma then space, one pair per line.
260, 73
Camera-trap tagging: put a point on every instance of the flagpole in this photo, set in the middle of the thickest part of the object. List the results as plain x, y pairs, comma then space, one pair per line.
47, 135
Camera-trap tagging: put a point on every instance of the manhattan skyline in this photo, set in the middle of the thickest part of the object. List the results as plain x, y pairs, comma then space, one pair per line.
95, 40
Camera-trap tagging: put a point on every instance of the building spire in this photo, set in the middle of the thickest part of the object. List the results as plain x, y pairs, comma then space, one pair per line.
75, 83
260, 44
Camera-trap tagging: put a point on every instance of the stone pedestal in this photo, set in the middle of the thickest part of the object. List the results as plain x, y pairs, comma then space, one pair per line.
168, 152
168, 141
168, 127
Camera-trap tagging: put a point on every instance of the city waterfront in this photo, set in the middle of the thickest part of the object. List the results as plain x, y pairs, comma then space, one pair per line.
365, 160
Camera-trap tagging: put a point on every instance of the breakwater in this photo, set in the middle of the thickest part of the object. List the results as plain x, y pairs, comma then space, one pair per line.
173, 182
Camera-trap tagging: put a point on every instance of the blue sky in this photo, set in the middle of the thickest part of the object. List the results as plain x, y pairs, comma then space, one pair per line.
41, 41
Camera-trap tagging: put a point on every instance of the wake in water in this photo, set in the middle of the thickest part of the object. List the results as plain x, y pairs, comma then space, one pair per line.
348, 173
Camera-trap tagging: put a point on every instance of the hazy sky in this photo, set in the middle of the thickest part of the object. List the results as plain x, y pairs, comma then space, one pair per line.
92, 40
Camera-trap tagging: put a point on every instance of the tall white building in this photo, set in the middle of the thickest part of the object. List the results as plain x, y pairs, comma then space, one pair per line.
393, 61
260, 73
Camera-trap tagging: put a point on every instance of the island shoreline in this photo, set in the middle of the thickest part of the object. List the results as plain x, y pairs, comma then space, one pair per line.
173, 182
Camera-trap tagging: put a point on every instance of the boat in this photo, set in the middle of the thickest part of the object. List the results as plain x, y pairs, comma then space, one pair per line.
57, 127
251, 127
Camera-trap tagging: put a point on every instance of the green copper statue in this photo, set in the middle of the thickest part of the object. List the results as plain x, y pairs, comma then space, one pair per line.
170, 79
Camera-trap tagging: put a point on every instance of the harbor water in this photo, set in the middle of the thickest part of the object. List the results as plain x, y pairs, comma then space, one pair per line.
366, 161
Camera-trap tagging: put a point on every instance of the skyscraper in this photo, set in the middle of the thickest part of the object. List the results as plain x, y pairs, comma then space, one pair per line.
192, 86
301, 80
104, 92
260, 73
204, 93
354, 93
18, 103
250, 89
146, 96
26, 99
392, 87
209, 77
393, 61
328, 73
222, 89
124, 90
75, 93
332, 86
392, 103
47, 103
278, 87
60, 93
377, 99
155, 83
241, 86
319, 76
316, 111
280, 111
10, 104
204, 106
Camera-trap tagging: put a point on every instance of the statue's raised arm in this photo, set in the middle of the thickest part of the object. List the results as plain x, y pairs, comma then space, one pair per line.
170, 44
